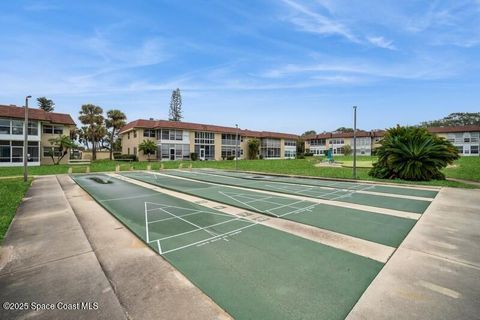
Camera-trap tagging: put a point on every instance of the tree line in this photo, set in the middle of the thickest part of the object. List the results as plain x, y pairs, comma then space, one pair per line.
99, 131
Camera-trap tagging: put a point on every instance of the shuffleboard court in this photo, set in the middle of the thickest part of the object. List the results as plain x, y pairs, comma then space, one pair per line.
417, 192
371, 226
250, 270
337, 194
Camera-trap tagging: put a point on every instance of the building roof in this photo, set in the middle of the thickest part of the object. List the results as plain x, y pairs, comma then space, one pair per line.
12, 111
329, 135
470, 128
381, 133
164, 124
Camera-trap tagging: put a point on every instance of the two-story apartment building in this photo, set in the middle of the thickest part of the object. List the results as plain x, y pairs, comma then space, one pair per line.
465, 138
41, 127
177, 140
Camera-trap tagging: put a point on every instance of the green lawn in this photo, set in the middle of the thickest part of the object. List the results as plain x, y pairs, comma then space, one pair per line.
11, 194
465, 168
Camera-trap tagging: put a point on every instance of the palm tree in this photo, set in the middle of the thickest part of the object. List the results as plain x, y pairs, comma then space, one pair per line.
412, 153
115, 120
91, 116
148, 147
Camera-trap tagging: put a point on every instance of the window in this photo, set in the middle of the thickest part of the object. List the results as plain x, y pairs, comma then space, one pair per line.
270, 148
229, 151
174, 135
17, 127
32, 151
50, 129
33, 128
17, 151
135, 150
317, 142
128, 136
182, 151
149, 133
466, 137
128, 150
204, 138
231, 139
4, 127
460, 149
134, 133
5, 149
337, 141
474, 149
290, 153
47, 151
291, 143
474, 137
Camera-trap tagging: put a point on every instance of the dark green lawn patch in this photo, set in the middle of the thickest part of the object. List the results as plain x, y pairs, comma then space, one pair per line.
11, 194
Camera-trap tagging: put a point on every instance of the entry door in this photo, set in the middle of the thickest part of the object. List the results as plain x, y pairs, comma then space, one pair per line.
202, 154
172, 154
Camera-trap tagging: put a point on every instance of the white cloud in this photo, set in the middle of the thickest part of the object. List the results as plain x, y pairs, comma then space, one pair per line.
314, 22
381, 42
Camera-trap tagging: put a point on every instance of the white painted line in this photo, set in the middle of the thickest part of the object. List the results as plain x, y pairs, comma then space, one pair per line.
390, 212
194, 230
191, 223
241, 202
439, 289
159, 247
146, 223
360, 188
126, 198
201, 241
340, 241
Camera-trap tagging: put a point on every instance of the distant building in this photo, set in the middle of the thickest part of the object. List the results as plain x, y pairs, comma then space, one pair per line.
42, 126
465, 138
177, 140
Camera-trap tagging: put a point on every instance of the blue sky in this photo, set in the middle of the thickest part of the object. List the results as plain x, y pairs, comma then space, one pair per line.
278, 65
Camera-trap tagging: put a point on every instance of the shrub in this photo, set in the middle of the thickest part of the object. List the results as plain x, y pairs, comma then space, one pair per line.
347, 150
253, 147
230, 157
300, 156
308, 154
412, 153
194, 156
131, 157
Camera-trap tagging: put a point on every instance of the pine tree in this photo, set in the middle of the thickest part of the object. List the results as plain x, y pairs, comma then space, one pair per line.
175, 113
45, 104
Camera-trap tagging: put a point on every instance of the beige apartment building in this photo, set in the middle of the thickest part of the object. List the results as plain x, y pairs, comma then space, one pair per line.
465, 138
41, 127
177, 140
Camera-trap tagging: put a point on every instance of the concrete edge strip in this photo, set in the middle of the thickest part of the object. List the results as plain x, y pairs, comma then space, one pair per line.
102, 268
391, 195
390, 212
365, 248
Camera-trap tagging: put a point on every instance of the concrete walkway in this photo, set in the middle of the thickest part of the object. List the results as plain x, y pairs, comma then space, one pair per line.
435, 273
46, 259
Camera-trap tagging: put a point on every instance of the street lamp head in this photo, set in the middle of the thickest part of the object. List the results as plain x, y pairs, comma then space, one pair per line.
28, 97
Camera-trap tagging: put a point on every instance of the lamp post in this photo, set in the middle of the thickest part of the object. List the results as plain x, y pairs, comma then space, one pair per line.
25, 141
354, 142
236, 149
